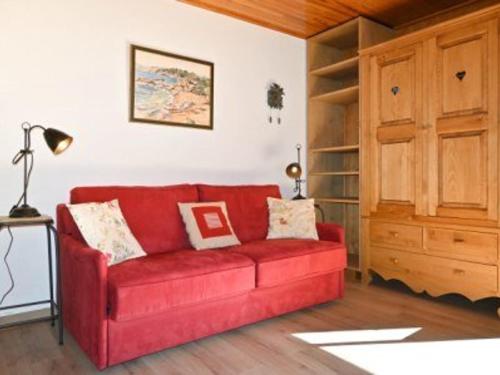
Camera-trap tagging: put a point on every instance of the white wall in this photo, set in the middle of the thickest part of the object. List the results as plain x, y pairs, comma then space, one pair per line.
65, 64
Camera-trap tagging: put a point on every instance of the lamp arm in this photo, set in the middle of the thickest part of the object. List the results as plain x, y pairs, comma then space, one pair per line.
31, 128
27, 128
37, 127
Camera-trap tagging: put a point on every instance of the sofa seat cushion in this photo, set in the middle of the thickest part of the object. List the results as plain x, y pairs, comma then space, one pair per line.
156, 283
284, 260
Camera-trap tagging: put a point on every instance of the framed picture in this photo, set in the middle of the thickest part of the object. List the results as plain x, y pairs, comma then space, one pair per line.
169, 89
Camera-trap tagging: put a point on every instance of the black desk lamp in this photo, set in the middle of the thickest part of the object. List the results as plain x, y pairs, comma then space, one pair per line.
57, 141
294, 170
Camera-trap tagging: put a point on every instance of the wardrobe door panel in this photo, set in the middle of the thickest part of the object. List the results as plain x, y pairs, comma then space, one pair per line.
463, 179
397, 187
397, 88
462, 135
396, 144
462, 74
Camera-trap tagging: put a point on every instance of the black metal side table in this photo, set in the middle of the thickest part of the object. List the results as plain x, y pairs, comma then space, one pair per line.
48, 223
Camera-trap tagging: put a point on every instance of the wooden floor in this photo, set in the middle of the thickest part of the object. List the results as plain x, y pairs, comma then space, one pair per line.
268, 347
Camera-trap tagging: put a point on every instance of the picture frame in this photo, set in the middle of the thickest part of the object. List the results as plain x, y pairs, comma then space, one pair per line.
170, 89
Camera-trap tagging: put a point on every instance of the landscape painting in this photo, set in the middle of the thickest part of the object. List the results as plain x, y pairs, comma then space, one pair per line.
170, 89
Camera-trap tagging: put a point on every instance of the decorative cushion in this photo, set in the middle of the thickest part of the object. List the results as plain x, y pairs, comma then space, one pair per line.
246, 206
207, 225
291, 219
104, 228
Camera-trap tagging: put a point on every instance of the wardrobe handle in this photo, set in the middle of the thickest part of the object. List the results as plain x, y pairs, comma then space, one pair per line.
394, 234
458, 239
461, 75
395, 260
395, 90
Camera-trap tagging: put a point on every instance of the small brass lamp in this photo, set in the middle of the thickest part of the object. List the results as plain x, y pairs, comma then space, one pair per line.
294, 171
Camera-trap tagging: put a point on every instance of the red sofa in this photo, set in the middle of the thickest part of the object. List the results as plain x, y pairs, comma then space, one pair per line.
176, 294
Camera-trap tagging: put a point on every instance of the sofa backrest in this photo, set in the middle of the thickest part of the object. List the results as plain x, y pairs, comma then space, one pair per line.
151, 213
246, 206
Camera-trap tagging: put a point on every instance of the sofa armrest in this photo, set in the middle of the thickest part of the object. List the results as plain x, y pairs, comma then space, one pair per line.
331, 232
84, 287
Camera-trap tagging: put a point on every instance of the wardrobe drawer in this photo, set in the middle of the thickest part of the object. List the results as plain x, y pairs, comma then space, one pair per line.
436, 275
395, 234
474, 246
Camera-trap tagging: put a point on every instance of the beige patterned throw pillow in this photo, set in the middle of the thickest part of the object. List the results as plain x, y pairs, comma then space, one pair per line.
291, 219
104, 228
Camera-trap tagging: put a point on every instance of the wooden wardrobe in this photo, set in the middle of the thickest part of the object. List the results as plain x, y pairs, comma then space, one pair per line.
429, 150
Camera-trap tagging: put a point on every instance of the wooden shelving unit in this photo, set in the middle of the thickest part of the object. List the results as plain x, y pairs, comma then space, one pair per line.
333, 123
352, 261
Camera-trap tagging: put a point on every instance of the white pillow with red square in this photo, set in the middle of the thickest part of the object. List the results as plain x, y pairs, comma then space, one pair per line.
207, 225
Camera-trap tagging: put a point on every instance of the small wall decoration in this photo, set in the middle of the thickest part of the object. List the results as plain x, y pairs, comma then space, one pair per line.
275, 94
170, 89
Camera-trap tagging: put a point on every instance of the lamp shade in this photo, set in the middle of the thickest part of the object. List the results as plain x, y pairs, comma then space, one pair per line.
294, 170
57, 140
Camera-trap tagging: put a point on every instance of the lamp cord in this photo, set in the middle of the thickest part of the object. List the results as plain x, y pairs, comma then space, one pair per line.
12, 284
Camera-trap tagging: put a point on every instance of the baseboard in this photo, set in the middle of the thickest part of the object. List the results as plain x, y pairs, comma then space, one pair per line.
12, 318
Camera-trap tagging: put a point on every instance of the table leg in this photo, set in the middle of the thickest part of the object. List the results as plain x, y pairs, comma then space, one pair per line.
51, 276
59, 287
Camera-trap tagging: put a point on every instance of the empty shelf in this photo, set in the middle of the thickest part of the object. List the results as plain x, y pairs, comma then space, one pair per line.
347, 148
343, 200
341, 173
345, 36
340, 69
343, 96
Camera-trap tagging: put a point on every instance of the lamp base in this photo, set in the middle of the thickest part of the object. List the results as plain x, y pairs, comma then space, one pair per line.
24, 211
298, 196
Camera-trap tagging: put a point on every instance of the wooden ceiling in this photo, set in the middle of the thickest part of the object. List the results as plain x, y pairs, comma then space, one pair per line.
305, 18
